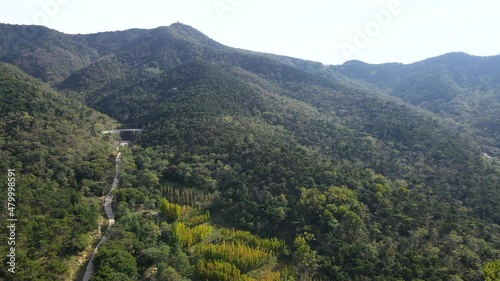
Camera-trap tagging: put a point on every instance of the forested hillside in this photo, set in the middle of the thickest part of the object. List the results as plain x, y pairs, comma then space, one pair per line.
457, 86
262, 167
53, 143
265, 153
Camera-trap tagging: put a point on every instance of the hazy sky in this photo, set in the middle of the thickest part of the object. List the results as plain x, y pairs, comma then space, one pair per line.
328, 31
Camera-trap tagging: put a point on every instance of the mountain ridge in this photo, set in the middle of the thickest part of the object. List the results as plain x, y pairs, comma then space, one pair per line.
359, 169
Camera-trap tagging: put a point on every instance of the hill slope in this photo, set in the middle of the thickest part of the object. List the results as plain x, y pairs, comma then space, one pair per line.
53, 144
272, 147
456, 86
51, 55
360, 185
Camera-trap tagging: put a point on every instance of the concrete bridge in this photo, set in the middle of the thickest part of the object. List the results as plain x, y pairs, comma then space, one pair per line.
121, 131
127, 135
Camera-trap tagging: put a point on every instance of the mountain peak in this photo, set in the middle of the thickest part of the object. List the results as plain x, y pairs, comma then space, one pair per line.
456, 55
192, 34
354, 62
180, 25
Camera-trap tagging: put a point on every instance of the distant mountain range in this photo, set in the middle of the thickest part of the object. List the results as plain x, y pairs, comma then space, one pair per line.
456, 85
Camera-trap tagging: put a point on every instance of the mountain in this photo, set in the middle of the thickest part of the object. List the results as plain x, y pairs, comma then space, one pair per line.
457, 86
361, 170
53, 144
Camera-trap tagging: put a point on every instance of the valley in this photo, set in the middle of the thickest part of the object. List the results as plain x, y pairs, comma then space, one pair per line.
247, 166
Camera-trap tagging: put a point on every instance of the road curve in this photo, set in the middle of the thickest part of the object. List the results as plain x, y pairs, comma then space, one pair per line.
111, 218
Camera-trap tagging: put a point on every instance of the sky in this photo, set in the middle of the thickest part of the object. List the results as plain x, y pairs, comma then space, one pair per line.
327, 31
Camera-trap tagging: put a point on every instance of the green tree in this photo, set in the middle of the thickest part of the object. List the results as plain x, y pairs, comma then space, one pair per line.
492, 271
304, 258
170, 211
115, 261
170, 274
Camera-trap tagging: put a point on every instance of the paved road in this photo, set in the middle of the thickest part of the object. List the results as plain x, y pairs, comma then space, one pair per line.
111, 217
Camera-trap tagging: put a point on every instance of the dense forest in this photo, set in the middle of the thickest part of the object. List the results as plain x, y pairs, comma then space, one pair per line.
61, 166
456, 86
250, 166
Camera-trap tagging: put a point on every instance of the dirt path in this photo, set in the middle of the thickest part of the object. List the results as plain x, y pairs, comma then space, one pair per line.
111, 218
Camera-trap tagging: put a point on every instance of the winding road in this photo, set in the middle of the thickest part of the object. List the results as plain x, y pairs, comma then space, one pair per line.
111, 217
